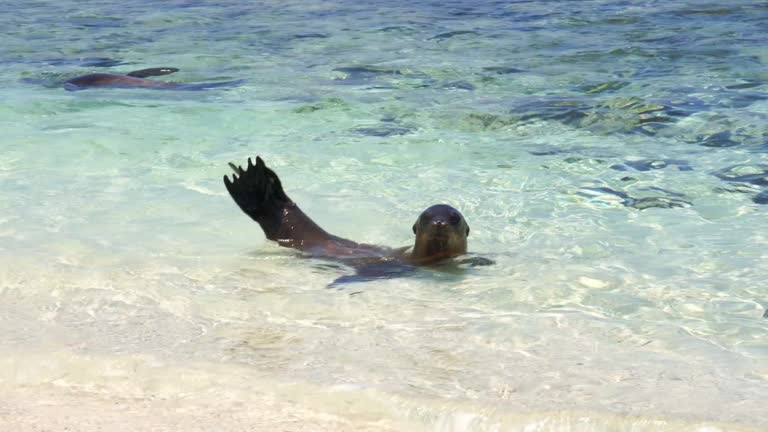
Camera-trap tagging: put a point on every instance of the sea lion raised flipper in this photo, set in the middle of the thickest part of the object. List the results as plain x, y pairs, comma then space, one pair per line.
143, 73
259, 194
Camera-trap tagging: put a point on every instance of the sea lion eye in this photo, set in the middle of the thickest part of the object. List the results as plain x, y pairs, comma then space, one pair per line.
414, 228
454, 218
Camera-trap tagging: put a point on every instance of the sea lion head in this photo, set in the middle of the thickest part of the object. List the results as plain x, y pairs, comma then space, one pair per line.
441, 232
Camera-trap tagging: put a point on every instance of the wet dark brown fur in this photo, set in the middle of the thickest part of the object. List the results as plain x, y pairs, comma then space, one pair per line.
441, 231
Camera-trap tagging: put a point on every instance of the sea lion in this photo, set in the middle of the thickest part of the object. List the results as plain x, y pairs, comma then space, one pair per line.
137, 79
441, 231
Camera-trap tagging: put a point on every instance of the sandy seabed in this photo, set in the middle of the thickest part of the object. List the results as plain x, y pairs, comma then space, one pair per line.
54, 410
47, 410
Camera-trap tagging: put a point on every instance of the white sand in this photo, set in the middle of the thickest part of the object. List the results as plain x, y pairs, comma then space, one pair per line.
51, 410
54, 410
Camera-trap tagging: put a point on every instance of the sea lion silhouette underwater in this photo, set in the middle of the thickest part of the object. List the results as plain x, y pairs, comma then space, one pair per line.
441, 230
137, 79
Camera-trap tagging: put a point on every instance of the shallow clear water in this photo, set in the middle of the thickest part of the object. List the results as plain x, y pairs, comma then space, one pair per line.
610, 156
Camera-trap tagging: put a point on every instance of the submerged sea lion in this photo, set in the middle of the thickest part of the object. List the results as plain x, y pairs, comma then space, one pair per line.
441, 230
137, 79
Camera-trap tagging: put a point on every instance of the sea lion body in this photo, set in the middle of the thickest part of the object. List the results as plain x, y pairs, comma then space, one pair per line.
112, 80
441, 231
138, 79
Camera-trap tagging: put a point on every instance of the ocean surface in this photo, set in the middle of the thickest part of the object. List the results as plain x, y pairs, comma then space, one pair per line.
610, 156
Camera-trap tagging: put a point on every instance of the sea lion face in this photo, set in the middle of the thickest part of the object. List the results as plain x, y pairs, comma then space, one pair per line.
441, 232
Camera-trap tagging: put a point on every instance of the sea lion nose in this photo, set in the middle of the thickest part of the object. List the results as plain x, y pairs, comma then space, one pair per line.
439, 223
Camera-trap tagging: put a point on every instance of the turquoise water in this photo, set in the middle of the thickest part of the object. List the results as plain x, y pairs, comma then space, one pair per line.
610, 156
